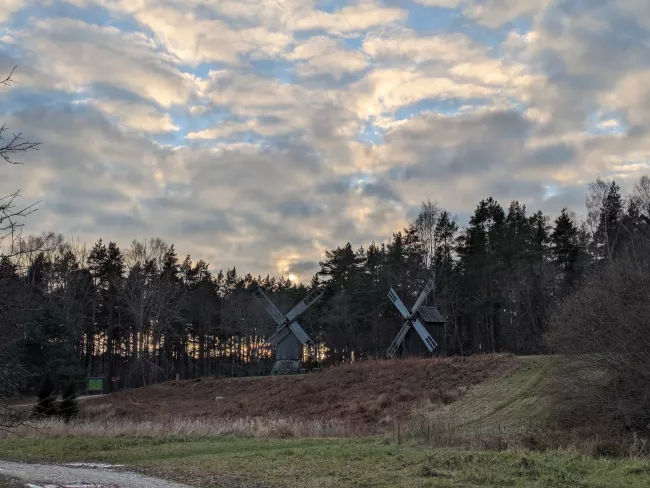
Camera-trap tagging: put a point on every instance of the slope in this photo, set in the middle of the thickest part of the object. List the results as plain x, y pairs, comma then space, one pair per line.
368, 395
521, 396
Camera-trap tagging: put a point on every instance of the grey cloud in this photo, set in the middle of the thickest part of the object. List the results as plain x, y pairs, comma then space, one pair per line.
507, 190
573, 198
122, 220
336, 187
302, 267
102, 195
63, 208
191, 227
585, 49
553, 155
403, 173
300, 209
341, 231
380, 190
435, 147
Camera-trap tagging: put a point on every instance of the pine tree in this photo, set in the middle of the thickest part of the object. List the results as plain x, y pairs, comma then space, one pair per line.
609, 231
566, 248
481, 264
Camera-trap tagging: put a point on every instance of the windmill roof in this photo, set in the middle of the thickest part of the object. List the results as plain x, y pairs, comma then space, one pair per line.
431, 315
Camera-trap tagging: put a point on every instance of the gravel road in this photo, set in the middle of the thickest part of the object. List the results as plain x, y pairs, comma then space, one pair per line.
81, 475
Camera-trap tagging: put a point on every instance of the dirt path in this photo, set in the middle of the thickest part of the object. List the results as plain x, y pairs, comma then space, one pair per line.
80, 398
80, 475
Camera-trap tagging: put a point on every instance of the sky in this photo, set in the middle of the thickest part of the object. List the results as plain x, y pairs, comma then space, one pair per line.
261, 133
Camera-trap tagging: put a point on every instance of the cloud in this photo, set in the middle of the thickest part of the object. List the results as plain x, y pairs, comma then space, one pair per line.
195, 40
74, 56
401, 43
441, 3
496, 13
260, 133
324, 55
365, 15
140, 117
8, 9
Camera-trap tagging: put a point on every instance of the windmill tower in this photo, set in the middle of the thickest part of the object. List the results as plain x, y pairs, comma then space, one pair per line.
419, 322
289, 338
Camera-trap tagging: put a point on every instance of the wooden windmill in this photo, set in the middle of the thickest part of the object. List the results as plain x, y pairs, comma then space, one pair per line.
289, 338
419, 322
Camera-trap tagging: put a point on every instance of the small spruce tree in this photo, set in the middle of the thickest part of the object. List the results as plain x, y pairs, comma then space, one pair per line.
46, 405
69, 406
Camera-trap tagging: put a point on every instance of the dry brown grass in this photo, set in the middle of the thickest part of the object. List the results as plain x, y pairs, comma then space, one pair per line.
526, 436
363, 394
115, 427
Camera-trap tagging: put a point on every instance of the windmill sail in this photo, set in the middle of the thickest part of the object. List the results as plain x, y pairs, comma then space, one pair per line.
424, 334
276, 338
287, 326
300, 334
398, 303
423, 296
412, 319
270, 308
304, 304
398, 340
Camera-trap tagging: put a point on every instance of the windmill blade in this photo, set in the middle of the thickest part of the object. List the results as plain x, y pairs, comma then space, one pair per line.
424, 334
398, 303
270, 308
276, 338
304, 304
398, 340
423, 296
300, 334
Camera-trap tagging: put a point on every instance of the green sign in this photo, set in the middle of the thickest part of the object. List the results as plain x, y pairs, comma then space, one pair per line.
95, 384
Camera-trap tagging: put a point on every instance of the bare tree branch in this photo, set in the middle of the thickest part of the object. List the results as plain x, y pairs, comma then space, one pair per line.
12, 246
7, 81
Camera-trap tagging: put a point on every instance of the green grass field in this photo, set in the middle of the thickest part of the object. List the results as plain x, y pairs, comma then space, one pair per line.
333, 463
518, 397
6, 482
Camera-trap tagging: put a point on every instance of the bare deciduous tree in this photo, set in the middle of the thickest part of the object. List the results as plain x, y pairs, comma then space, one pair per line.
152, 301
12, 245
426, 223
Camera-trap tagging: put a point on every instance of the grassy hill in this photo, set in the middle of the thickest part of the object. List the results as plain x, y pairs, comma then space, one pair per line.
368, 396
176, 430
519, 396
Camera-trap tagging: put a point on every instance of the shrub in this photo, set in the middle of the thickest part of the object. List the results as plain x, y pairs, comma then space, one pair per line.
603, 331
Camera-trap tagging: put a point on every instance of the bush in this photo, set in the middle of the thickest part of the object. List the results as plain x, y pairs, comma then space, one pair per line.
603, 329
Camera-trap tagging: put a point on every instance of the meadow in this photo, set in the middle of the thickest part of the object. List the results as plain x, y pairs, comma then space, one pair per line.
485, 423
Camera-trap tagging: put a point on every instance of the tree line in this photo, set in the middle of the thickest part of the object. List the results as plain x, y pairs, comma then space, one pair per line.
142, 314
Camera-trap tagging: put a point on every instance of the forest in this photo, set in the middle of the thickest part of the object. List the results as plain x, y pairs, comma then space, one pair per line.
142, 314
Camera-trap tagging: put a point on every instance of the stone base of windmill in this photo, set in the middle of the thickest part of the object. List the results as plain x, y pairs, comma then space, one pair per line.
286, 366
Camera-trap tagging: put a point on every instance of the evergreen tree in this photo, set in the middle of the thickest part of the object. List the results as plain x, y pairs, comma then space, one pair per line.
68, 408
46, 404
480, 251
566, 248
607, 237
